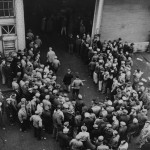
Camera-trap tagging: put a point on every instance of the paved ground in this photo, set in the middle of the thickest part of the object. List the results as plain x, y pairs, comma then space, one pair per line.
12, 138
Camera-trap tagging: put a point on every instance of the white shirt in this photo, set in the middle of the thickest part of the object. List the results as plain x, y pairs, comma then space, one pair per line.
123, 147
84, 136
50, 56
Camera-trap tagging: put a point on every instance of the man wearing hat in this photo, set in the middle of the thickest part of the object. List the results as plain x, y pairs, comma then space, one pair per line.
109, 107
123, 145
94, 134
25, 88
142, 118
105, 79
76, 85
11, 111
46, 114
102, 146
95, 107
67, 113
22, 116
136, 78
29, 94
58, 118
124, 116
28, 68
23, 61
47, 119
95, 56
63, 138
38, 41
99, 141
67, 80
15, 85
79, 104
76, 144
108, 132
55, 64
37, 124
90, 53
122, 130
23, 102
92, 66
78, 42
114, 141
46, 102
95, 73
88, 121
133, 128
50, 56
115, 123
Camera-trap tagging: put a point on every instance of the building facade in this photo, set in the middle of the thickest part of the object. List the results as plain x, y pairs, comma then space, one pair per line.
128, 19
12, 26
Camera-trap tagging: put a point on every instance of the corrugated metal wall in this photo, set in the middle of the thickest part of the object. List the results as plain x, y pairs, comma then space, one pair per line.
129, 19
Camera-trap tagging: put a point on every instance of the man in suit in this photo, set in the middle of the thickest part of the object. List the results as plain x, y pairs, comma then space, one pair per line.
67, 80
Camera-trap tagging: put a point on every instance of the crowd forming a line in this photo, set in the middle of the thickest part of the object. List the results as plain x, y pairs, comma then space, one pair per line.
39, 101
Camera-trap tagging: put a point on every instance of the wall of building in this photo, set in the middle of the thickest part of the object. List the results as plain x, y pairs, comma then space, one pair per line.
129, 19
8, 21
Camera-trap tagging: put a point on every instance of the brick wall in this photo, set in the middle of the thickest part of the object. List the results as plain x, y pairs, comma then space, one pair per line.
129, 19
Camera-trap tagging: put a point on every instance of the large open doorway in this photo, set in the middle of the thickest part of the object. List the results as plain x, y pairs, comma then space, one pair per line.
54, 10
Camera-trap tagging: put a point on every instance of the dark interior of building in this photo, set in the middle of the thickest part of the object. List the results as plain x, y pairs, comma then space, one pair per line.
73, 10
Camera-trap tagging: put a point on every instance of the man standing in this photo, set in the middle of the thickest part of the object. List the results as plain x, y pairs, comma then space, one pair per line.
38, 41
76, 144
136, 78
58, 118
50, 56
22, 115
67, 80
37, 124
71, 44
76, 84
55, 64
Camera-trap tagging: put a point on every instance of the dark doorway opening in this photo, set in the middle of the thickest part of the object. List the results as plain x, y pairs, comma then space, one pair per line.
55, 10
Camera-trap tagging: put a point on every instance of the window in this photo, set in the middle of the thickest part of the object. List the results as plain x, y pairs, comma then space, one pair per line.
9, 46
8, 30
6, 8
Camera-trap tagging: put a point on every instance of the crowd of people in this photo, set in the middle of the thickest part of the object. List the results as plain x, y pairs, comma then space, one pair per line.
39, 101
126, 103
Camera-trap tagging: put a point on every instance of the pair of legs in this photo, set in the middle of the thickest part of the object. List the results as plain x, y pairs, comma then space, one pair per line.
38, 133
67, 87
63, 30
24, 125
75, 93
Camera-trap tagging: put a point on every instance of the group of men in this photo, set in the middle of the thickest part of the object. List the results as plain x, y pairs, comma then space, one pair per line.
39, 101
127, 102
